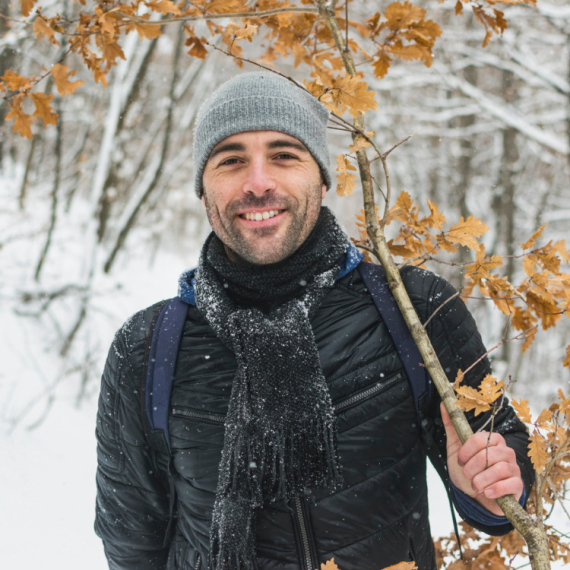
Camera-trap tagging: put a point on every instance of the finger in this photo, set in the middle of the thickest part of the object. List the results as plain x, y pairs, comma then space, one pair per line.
501, 479
478, 442
453, 441
487, 458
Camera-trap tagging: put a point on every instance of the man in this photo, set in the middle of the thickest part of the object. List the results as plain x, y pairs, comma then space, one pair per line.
292, 425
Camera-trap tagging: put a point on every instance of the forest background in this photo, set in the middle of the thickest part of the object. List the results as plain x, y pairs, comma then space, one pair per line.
98, 215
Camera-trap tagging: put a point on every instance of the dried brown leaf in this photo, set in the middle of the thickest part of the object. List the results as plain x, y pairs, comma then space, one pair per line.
522, 410
61, 77
44, 110
22, 121
346, 181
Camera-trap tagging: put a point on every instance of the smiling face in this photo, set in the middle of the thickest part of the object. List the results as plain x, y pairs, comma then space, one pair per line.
262, 193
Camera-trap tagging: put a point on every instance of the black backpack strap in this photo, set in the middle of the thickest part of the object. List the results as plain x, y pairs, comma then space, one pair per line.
375, 280
163, 354
420, 381
161, 363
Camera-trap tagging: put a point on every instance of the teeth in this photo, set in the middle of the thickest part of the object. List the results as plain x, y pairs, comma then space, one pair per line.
258, 216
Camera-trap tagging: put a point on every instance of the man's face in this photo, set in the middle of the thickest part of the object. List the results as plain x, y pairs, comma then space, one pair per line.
267, 175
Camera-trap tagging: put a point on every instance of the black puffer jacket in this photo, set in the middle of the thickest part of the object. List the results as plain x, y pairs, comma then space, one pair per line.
379, 517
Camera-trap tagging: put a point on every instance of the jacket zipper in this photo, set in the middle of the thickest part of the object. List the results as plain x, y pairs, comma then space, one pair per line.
367, 393
198, 560
303, 526
218, 418
351, 401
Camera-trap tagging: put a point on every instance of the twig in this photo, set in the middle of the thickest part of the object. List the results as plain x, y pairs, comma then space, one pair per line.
456, 294
385, 155
504, 341
559, 497
388, 191
206, 16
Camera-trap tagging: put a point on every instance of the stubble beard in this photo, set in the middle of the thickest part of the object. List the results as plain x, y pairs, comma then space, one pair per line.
254, 249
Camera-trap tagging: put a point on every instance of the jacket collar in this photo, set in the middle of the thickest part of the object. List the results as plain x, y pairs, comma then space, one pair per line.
350, 259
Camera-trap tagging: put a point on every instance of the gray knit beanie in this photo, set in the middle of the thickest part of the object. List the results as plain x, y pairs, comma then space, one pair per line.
260, 101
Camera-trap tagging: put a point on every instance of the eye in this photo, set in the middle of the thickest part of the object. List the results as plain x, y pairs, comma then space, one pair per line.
228, 162
285, 156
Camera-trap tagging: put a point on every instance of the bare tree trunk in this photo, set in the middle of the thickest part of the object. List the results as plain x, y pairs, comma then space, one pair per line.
132, 214
24, 185
54, 194
7, 57
465, 170
133, 83
504, 200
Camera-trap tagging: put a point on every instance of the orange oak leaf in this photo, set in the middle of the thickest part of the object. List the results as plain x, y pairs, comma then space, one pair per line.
466, 231
110, 50
436, 218
226, 6
346, 181
165, 7
22, 121
359, 143
493, 20
242, 32
562, 250
537, 451
44, 110
522, 410
405, 209
351, 92
106, 21
61, 77
567, 359
148, 31
544, 418
329, 565
479, 399
381, 64
197, 47
27, 6
468, 398
43, 29
16, 82
532, 240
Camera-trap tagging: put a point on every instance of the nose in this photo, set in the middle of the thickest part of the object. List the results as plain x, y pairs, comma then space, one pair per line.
259, 178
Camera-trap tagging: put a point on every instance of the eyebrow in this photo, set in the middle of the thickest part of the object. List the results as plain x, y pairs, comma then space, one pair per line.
279, 143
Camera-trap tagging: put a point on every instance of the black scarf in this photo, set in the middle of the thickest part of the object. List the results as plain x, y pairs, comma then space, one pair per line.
280, 435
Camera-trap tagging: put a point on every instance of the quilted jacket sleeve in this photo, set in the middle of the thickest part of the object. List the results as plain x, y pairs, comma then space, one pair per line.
458, 344
132, 508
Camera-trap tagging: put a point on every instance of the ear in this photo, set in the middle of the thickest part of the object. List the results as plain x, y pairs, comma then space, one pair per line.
323, 191
203, 200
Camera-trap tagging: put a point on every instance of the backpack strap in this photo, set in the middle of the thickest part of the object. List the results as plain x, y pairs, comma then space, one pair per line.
375, 280
157, 387
166, 336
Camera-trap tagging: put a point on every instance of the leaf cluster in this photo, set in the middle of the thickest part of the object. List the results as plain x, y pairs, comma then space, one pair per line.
541, 298
284, 29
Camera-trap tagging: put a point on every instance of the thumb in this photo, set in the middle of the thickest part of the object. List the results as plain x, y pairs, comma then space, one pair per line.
453, 441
